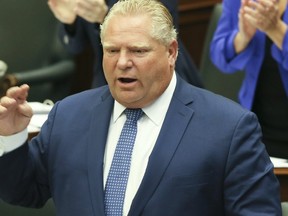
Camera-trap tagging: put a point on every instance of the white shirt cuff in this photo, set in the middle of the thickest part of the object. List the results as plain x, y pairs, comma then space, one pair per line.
12, 142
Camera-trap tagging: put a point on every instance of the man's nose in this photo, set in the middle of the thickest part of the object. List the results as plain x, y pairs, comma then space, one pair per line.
125, 60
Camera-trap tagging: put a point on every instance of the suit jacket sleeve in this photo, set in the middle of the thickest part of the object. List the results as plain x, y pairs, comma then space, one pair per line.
248, 173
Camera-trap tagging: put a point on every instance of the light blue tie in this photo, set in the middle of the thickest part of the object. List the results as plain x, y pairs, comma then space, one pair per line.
119, 171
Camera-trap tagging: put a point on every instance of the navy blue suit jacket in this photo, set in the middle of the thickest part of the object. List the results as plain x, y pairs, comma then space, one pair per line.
208, 160
87, 33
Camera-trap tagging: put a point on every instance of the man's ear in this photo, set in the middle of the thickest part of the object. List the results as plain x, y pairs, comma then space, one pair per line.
173, 52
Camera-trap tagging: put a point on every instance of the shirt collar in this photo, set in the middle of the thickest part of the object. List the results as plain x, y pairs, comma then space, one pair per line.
155, 111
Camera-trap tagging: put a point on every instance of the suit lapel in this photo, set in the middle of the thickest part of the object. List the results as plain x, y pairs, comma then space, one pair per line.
174, 126
99, 126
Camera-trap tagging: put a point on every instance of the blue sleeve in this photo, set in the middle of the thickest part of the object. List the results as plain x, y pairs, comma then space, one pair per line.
248, 173
222, 50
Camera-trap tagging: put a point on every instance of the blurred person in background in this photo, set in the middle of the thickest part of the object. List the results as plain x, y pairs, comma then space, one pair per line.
252, 36
81, 20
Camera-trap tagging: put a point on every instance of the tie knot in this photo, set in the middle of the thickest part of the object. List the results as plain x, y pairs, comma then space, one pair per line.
133, 114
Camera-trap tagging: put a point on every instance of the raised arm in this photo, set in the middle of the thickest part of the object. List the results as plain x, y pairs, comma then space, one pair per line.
15, 112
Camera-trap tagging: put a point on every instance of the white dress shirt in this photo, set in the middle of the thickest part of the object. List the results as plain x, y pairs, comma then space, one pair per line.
148, 130
9, 143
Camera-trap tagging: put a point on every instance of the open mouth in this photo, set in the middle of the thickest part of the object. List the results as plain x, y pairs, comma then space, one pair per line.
127, 80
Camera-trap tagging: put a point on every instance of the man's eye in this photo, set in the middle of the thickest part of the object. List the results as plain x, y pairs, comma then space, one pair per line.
140, 51
112, 51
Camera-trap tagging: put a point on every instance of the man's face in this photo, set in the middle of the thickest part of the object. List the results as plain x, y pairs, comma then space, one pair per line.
137, 67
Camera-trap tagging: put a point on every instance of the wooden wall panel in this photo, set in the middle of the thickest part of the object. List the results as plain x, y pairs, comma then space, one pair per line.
194, 16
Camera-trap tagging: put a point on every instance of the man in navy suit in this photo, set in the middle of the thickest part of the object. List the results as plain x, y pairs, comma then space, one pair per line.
195, 153
81, 28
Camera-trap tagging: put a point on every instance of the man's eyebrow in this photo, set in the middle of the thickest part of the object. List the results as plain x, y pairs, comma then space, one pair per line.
105, 45
132, 46
139, 46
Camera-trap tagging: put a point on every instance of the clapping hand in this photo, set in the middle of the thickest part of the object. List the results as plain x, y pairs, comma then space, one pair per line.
66, 11
93, 11
262, 14
246, 29
63, 10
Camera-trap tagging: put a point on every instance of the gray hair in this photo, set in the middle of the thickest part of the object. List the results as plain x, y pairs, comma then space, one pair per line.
162, 29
